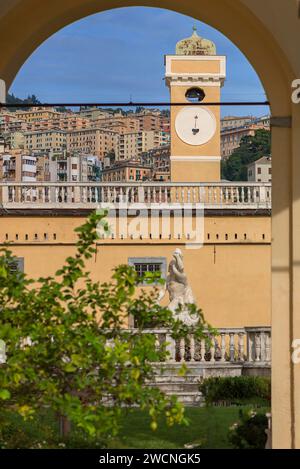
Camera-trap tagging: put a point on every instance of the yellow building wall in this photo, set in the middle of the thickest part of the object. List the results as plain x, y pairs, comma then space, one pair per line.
230, 275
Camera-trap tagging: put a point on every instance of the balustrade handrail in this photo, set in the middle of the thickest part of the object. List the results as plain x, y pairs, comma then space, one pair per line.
72, 194
137, 184
250, 346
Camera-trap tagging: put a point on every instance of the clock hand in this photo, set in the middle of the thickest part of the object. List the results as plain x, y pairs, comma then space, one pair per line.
195, 130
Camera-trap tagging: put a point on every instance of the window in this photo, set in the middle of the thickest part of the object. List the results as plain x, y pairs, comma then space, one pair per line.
17, 265
195, 95
148, 264
258, 170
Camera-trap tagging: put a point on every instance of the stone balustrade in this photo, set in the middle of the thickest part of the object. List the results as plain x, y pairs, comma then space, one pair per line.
222, 195
249, 345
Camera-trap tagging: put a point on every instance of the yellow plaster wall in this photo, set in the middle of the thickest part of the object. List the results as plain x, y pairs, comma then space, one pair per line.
230, 275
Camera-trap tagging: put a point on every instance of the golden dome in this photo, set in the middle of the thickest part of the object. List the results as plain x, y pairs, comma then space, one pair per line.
195, 45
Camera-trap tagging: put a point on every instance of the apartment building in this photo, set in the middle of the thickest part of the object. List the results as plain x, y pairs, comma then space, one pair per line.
42, 166
159, 161
14, 139
17, 166
37, 113
98, 142
127, 171
260, 170
93, 113
127, 146
9, 122
231, 137
229, 122
154, 122
65, 121
45, 140
117, 123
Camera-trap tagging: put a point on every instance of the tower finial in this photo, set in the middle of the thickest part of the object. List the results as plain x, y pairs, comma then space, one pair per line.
194, 28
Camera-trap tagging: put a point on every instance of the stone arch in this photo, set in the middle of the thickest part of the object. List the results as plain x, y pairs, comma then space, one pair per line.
266, 32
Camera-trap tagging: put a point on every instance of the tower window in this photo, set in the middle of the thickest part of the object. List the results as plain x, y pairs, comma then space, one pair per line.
195, 95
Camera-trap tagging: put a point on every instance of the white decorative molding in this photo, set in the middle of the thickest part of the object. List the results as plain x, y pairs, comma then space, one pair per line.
178, 81
217, 76
203, 159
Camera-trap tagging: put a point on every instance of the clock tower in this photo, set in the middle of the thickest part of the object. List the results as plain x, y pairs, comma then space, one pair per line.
195, 74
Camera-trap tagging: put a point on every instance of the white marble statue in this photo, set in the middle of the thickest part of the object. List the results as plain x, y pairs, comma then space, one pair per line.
180, 293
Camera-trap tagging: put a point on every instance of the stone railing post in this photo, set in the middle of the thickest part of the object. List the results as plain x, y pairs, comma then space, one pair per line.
231, 346
241, 346
4, 195
170, 347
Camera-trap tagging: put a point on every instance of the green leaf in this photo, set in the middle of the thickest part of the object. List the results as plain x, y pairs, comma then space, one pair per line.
4, 394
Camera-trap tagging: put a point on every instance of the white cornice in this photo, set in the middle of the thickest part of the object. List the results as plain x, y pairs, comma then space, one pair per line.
171, 58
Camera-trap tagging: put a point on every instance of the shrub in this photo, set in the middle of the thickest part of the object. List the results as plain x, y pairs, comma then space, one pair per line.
68, 350
250, 431
236, 389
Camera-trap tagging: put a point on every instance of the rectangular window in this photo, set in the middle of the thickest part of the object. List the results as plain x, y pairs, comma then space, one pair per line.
17, 265
148, 264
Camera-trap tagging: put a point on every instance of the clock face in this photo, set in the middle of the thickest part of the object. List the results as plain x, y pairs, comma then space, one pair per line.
195, 125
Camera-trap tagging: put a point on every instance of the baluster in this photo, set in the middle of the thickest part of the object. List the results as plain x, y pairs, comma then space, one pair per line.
221, 195
176, 195
202, 350
192, 347
241, 346
171, 348
262, 347
223, 347
13, 193
182, 349
226, 195
182, 195
157, 343
231, 346
212, 350
215, 196
257, 347
194, 195
189, 195
250, 346
249, 194
268, 347
160, 195
200, 191
242, 194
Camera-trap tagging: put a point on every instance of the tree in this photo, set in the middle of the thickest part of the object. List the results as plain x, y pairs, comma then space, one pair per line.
12, 99
249, 150
68, 350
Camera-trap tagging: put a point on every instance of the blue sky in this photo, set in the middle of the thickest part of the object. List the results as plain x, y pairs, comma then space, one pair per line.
119, 54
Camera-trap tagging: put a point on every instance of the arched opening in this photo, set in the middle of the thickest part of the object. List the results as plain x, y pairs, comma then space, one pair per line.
249, 30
